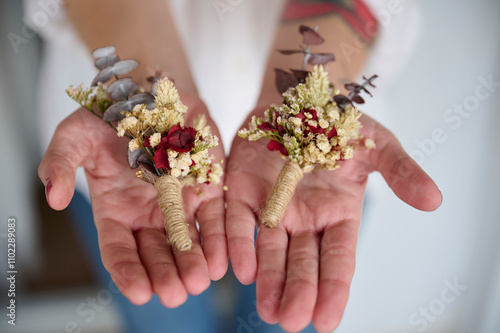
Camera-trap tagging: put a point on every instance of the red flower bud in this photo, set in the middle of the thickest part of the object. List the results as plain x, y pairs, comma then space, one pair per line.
275, 145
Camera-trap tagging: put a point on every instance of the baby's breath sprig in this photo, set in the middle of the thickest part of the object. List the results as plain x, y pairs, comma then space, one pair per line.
169, 154
314, 127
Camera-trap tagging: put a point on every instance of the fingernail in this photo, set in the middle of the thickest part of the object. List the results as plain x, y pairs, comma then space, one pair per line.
48, 187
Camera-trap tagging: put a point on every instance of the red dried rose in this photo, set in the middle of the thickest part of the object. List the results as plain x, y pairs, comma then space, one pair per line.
179, 139
332, 133
302, 116
161, 159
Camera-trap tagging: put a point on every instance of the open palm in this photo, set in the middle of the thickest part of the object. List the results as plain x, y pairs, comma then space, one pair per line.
304, 267
129, 223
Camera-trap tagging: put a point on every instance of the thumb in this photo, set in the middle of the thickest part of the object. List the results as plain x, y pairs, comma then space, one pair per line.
70, 145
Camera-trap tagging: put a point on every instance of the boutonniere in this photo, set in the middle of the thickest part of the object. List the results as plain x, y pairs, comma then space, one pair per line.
168, 153
314, 127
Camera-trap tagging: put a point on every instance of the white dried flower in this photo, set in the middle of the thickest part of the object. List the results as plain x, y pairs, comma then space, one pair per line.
175, 172
323, 143
348, 152
312, 123
199, 156
369, 143
342, 141
133, 145
215, 174
155, 139
297, 122
323, 123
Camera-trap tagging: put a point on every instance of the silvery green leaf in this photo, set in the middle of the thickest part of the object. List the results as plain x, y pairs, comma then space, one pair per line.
103, 76
124, 66
106, 61
121, 89
133, 157
103, 51
320, 58
113, 113
142, 98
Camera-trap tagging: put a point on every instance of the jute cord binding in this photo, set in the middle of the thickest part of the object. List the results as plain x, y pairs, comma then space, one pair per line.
281, 194
170, 200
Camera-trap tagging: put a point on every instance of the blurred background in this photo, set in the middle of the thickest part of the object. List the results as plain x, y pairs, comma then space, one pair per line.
438, 91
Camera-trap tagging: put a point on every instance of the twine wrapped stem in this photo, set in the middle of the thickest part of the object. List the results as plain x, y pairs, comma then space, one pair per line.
281, 194
170, 200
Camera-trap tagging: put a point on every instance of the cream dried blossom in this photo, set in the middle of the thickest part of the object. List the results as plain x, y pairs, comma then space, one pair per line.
129, 123
369, 144
133, 145
215, 173
168, 105
309, 127
155, 139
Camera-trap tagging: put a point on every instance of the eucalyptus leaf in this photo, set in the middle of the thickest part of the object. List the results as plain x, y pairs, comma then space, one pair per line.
106, 61
300, 74
113, 113
285, 80
103, 51
125, 66
133, 157
118, 68
103, 76
121, 89
288, 52
357, 99
310, 36
320, 58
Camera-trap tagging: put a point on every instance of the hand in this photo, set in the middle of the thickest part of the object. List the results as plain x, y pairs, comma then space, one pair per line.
304, 267
129, 223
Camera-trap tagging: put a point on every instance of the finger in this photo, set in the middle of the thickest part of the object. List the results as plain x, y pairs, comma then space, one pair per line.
337, 261
120, 257
64, 155
271, 256
211, 217
192, 264
156, 256
301, 287
403, 175
240, 228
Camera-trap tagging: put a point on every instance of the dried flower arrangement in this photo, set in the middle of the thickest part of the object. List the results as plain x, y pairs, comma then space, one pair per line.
169, 154
314, 126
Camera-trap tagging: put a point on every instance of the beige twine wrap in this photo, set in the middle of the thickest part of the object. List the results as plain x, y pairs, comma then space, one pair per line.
170, 200
281, 194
